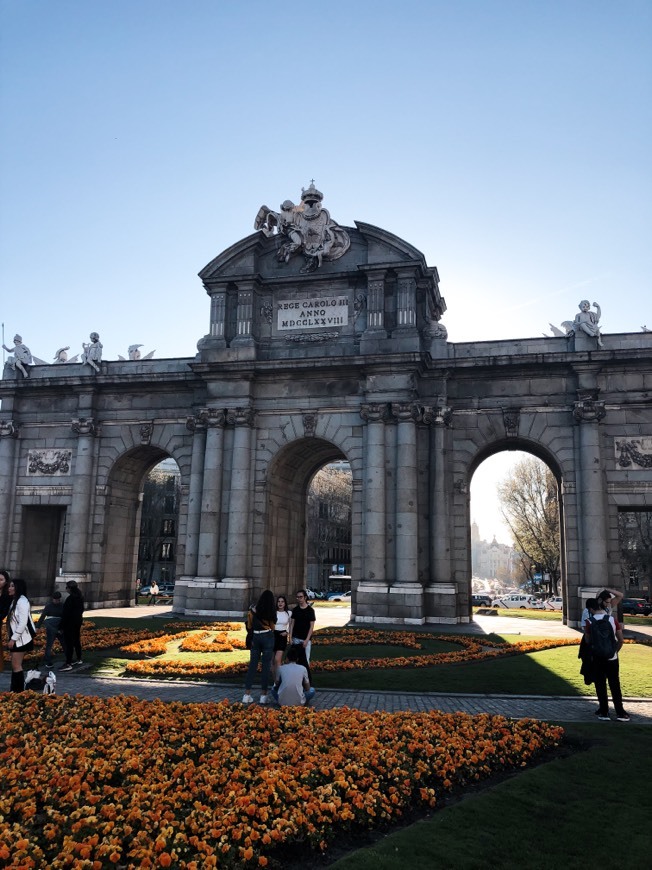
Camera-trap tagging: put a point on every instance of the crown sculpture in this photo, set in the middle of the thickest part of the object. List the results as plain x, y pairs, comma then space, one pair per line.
306, 228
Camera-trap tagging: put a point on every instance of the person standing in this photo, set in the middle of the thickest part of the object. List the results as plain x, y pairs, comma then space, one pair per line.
139, 583
71, 623
21, 631
302, 626
292, 688
153, 592
261, 620
280, 632
51, 616
5, 602
605, 639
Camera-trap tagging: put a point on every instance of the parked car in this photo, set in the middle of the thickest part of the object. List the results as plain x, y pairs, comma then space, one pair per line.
636, 606
554, 603
514, 601
481, 600
340, 596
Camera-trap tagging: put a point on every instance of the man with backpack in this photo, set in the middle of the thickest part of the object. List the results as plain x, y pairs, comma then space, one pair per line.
604, 636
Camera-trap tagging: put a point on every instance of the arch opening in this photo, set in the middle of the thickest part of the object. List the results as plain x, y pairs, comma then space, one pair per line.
125, 490
288, 555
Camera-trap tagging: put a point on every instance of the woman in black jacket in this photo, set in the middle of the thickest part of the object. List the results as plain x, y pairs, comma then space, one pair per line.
5, 602
71, 623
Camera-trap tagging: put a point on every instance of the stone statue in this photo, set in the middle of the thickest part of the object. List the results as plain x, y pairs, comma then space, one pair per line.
61, 356
22, 356
588, 320
134, 353
92, 353
306, 228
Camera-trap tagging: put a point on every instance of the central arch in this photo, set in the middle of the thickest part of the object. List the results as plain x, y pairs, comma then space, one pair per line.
535, 449
289, 476
124, 488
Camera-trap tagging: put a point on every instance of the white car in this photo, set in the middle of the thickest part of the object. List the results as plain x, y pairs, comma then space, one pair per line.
554, 603
339, 596
515, 601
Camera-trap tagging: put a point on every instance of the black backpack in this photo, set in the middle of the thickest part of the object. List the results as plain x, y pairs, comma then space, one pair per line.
603, 640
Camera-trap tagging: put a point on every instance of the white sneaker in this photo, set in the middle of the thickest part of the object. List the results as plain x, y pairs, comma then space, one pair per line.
247, 699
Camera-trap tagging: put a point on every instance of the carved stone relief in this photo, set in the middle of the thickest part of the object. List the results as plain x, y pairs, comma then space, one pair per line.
54, 463
633, 453
511, 420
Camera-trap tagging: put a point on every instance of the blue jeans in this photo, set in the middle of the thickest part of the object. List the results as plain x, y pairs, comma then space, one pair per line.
51, 634
262, 646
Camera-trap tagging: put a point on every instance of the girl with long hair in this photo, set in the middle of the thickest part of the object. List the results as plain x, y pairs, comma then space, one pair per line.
5, 601
21, 631
261, 620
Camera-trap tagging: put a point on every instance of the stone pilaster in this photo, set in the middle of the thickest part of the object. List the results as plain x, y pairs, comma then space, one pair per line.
440, 545
239, 530
211, 494
375, 533
8, 437
406, 413
196, 425
244, 314
76, 555
588, 411
406, 301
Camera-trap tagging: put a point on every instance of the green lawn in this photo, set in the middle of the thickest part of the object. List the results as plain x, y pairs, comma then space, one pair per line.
589, 808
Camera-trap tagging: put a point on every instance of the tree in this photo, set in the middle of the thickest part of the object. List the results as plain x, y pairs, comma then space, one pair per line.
530, 506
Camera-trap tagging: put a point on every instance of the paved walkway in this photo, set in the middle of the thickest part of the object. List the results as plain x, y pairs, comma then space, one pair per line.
555, 708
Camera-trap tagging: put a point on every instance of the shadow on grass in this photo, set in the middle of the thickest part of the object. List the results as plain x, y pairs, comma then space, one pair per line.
541, 819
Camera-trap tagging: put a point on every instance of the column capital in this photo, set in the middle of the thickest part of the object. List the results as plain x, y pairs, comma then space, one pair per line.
374, 412
588, 409
406, 412
240, 416
439, 416
8, 429
84, 426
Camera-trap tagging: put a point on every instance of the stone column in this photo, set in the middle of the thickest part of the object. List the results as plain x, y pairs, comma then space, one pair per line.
211, 495
407, 414
239, 531
76, 555
196, 425
588, 412
8, 436
440, 546
375, 532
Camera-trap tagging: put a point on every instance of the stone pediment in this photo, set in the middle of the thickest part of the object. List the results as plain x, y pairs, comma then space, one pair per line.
256, 256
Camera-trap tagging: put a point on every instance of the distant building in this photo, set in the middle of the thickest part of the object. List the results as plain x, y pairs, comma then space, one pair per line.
159, 524
491, 560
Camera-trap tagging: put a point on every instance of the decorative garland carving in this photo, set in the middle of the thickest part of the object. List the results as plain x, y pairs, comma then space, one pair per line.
634, 452
8, 429
50, 462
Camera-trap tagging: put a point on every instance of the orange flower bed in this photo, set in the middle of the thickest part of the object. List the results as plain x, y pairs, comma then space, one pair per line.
473, 649
97, 783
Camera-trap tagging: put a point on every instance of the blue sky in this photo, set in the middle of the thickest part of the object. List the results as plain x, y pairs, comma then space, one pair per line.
508, 140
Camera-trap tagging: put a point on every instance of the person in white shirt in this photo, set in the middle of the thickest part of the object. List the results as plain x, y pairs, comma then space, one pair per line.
280, 632
292, 687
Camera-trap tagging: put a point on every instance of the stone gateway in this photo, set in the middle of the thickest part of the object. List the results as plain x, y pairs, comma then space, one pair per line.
324, 343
